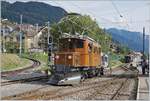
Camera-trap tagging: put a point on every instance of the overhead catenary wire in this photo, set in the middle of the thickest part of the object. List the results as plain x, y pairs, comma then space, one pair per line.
117, 10
70, 19
56, 2
91, 13
78, 7
120, 15
122, 23
87, 28
109, 21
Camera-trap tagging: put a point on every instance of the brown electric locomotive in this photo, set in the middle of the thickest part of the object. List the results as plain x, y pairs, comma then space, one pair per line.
78, 57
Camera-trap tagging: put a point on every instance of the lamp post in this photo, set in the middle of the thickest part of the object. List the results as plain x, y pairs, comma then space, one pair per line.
3, 36
143, 40
20, 48
49, 42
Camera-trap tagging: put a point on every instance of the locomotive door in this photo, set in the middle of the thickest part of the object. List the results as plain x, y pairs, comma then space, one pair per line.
90, 54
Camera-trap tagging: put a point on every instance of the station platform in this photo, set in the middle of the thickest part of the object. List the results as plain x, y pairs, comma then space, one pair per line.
143, 87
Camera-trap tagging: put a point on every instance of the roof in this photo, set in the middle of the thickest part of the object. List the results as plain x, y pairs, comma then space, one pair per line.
81, 37
78, 36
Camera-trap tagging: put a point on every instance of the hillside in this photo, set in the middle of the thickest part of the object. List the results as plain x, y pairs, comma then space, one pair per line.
134, 40
33, 12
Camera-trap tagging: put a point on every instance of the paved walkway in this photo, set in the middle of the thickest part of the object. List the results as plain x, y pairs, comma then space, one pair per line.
143, 87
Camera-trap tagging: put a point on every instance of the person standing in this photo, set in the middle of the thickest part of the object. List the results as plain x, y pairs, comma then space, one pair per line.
143, 66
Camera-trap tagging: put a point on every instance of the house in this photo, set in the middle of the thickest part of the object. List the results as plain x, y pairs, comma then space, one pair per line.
30, 38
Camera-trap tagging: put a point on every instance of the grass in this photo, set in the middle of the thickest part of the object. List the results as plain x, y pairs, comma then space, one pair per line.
114, 60
115, 64
12, 61
42, 57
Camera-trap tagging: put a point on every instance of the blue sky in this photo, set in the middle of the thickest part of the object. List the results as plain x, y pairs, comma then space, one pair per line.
136, 13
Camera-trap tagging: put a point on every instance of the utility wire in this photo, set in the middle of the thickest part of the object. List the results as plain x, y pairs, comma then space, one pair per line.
116, 8
60, 4
109, 21
84, 28
81, 9
121, 16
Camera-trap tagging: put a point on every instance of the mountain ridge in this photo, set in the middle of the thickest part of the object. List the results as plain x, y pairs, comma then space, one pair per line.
33, 12
133, 40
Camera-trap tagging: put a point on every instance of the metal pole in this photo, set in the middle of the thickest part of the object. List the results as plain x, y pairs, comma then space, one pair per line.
149, 32
48, 32
36, 36
50, 43
143, 40
37, 27
3, 35
3, 38
20, 35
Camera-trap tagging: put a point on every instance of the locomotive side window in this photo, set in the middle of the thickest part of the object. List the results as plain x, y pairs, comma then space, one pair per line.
95, 50
90, 47
98, 50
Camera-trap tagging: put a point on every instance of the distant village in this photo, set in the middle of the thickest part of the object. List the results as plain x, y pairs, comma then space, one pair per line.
10, 37
33, 38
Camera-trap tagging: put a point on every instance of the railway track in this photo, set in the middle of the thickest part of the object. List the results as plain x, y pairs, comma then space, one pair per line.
105, 92
67, 91
9, 82
90, 89
119, 90
125, 72
35, 64
55, 93
83, 92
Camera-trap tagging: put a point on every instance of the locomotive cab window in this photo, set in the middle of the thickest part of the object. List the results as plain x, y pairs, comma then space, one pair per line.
71, 43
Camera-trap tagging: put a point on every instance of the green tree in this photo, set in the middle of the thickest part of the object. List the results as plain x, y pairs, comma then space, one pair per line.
75, 23
124, 50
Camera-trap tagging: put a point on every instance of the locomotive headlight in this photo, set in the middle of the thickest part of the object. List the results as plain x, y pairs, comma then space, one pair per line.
69, 57
57, 56
69, 40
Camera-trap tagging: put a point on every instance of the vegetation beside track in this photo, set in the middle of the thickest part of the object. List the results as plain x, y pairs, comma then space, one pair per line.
43, 57
40, 56
115, 60
12, 62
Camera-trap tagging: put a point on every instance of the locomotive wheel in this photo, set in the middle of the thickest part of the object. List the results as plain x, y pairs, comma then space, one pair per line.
83, 77
94, 73
99, 74
102, 71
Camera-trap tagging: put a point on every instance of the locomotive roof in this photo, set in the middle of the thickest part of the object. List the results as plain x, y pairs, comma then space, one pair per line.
81, 37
